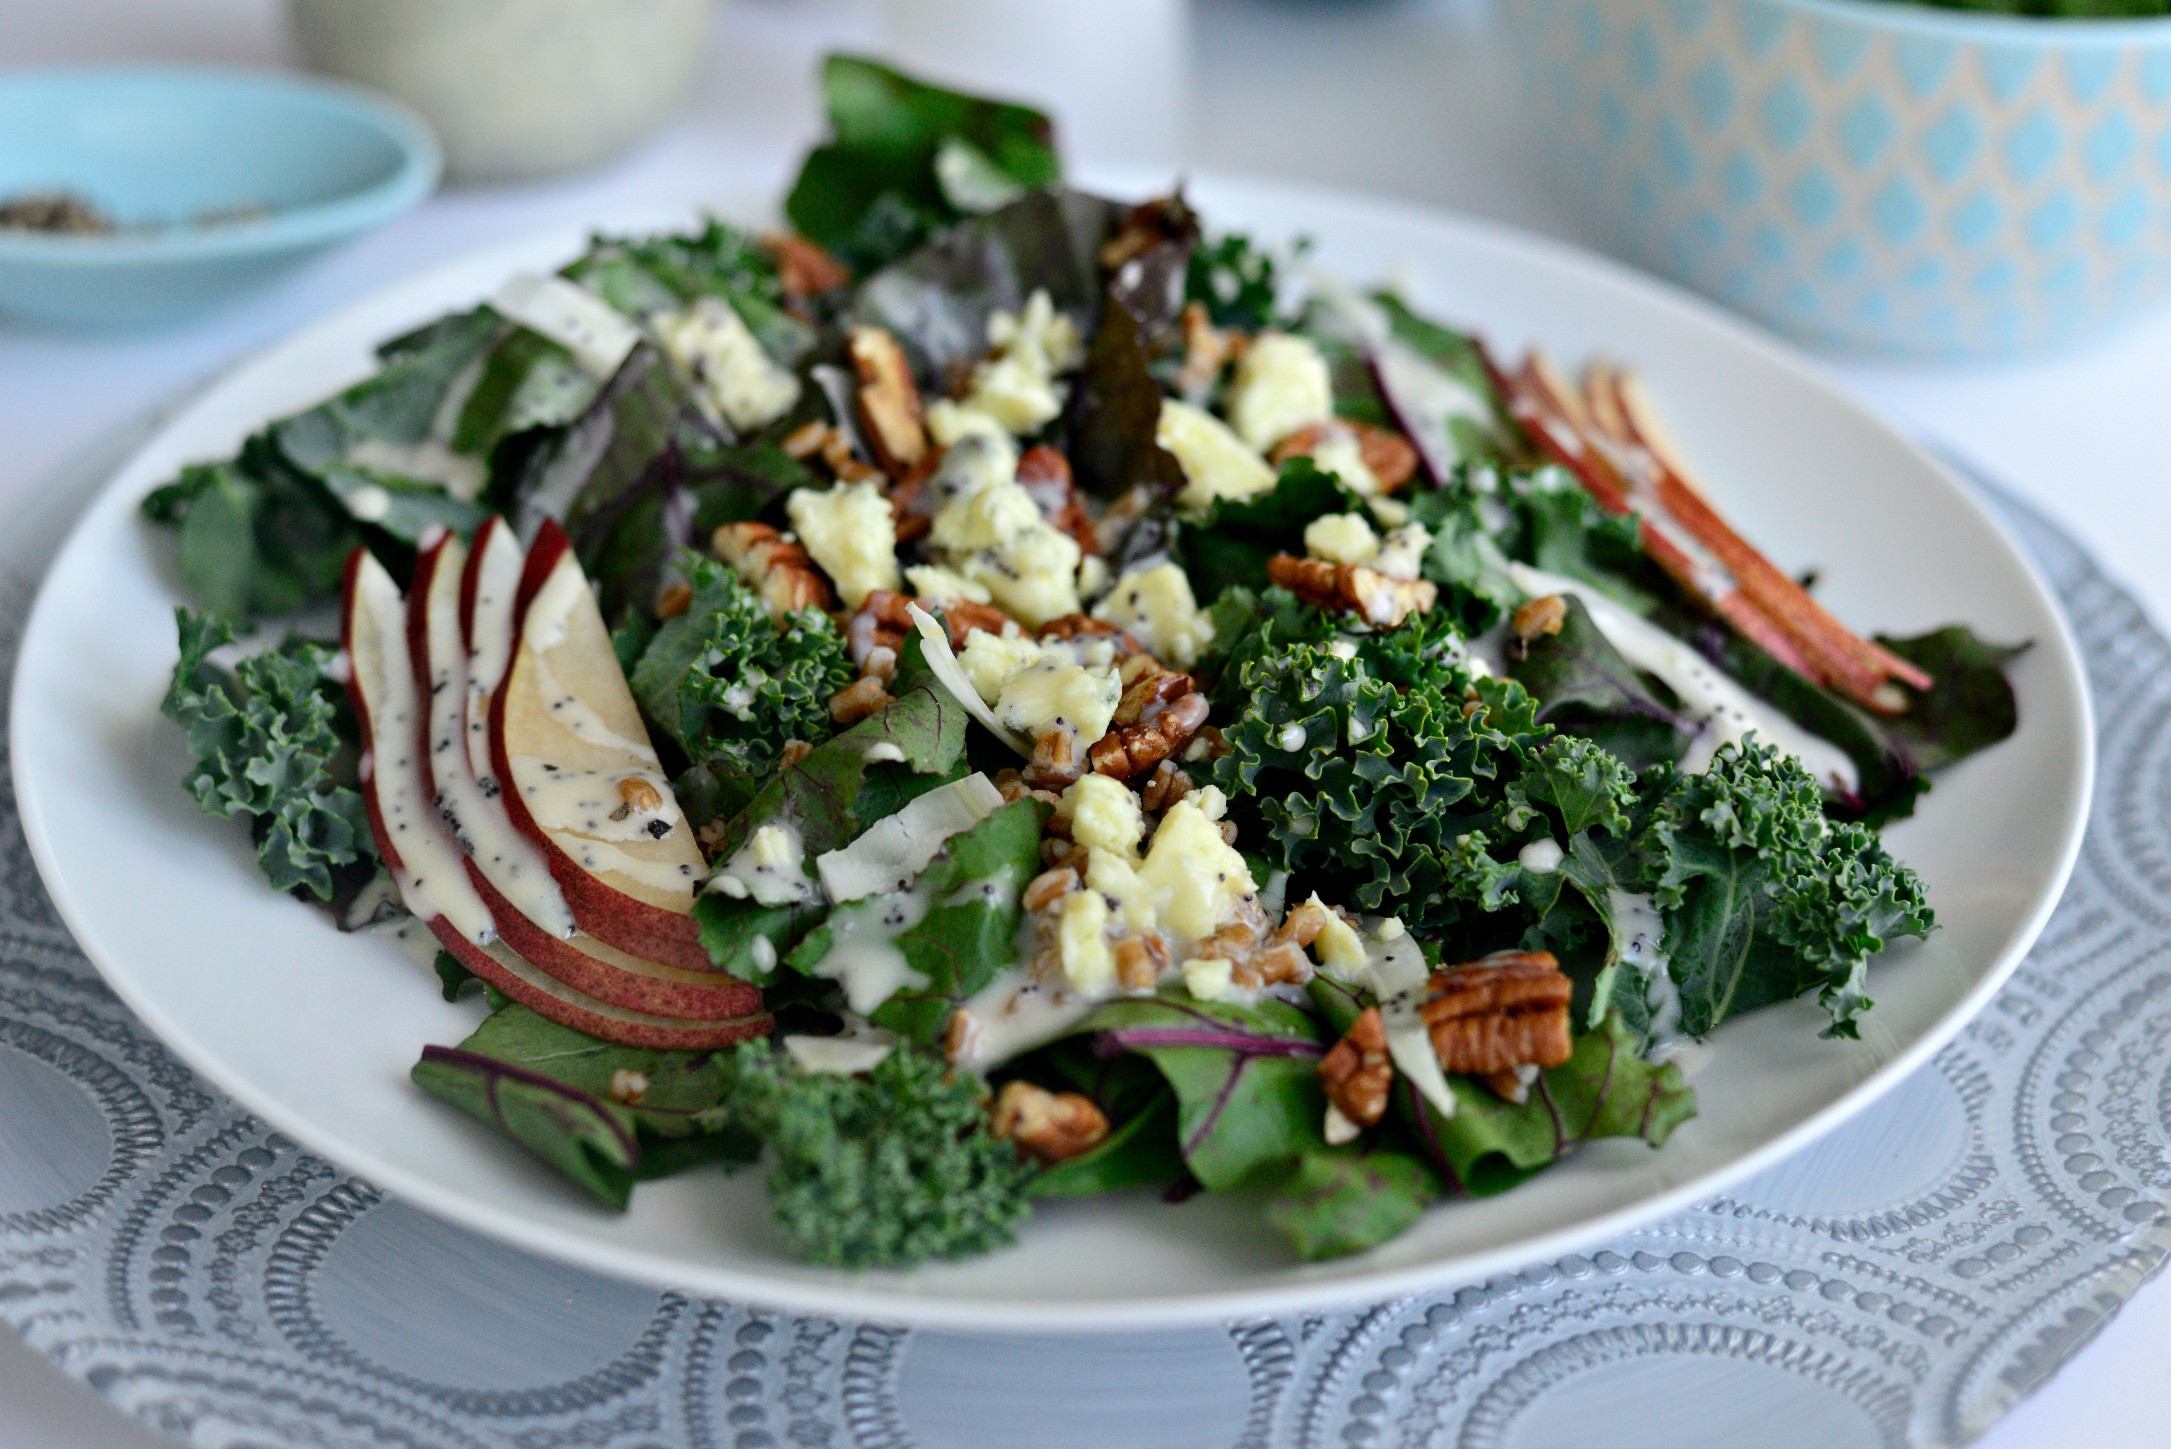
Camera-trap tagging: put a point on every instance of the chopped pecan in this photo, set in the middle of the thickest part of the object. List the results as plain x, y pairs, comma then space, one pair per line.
1164, 787
1207, 744
1500, 1012
1534, 618
674, 599
1357, 1074
1391, 457
889, 400
1205, 352
1048, 1126
1049, 887
1044, 474
885, 617
806, 440
1372, 596
1141, 957
857, 700
805, 269
1133, 749
1055, 759
793, 752
1085, 626
1148, 689
776, 564
846, 464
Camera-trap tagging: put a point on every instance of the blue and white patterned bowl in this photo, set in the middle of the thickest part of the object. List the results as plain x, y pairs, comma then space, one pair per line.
1868, 176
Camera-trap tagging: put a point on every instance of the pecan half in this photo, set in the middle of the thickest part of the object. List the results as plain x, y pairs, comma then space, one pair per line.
1047, 1126
1162, 727
1372, 596
1391, 457
1357, 1074
805, 269
777, 566
1044, 474
889, 400
1500, 1012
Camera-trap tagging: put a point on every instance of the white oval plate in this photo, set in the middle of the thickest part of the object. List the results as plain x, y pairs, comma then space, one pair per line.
315, 1031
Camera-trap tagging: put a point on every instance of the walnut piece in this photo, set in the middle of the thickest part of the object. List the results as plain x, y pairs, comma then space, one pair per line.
1372, 596
1391, 457
1357, 1074
775, 564
1048, 1126
889, 400
1498, 1013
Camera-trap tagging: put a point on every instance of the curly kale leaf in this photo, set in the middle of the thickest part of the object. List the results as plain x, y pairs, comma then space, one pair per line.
1236, 280
643, 276
1766, 899
1231, 543
734, 686
886, 1170
250, 546
268, 745
1386, 795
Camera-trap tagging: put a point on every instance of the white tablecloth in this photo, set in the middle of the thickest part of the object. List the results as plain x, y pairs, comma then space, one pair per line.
1406, 99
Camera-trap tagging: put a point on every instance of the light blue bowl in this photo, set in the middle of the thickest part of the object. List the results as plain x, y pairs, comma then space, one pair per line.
163, 147
1865, 176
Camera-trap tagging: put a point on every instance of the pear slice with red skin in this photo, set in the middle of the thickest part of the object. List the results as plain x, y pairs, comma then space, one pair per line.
454, 591
425, 859
565, 715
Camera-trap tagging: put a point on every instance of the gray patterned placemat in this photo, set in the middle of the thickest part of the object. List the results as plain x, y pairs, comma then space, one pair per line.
1901, 1283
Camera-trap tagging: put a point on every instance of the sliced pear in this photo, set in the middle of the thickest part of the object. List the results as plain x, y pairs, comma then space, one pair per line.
425, 859
456, 669
581, 778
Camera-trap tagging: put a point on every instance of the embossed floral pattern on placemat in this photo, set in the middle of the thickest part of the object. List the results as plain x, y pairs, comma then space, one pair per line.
1901, 1283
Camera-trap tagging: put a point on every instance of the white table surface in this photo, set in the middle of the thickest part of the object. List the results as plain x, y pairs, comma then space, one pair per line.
1409, 99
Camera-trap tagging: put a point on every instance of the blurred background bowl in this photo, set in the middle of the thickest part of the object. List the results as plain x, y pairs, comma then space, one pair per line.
216, 181
516, 89
1867, 176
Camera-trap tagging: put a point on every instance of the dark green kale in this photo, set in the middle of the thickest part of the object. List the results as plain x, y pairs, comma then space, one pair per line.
272, 742
886, 1170
1764, 897
1237, 280
907, 159
734, 686
1388, 795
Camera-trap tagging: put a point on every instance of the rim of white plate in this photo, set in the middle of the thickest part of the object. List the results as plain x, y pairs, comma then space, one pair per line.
856, 1298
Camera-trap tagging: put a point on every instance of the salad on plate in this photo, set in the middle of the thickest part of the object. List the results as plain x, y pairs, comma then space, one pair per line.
999, 694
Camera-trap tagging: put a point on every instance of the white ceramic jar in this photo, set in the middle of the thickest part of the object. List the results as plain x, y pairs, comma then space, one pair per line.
516, 89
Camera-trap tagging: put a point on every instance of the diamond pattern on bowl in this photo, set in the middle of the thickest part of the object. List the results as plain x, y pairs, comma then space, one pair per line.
1876, 178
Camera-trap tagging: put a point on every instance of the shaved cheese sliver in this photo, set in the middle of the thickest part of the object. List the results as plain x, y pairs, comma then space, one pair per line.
571, 316
1399, 979
895, 849
943, 661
